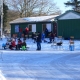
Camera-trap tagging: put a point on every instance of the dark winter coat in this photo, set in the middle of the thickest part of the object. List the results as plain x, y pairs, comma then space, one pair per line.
24, 44
39, 38
52, 35
46, 30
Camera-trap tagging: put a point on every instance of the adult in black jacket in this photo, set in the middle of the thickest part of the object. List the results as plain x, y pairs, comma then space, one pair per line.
39, 41
46, 32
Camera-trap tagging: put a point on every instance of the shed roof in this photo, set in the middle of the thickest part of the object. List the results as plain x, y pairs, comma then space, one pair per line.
34, 19
70, 14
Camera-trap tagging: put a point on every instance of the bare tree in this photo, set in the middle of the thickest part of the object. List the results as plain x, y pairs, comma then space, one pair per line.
28, 8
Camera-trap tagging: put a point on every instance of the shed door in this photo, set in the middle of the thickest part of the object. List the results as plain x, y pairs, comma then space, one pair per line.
33, 27
43, 27
48, 26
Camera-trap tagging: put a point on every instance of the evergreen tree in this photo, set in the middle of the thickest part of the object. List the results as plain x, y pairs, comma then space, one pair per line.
75, 4
5, 8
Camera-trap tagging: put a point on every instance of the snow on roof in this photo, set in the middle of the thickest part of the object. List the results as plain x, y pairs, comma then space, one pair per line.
34, 19
40, 18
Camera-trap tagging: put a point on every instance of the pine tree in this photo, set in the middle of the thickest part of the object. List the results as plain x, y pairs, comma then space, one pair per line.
5, 8
75, 4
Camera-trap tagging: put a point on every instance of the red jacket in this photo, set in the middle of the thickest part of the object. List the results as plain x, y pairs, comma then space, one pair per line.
13, 43
27, 30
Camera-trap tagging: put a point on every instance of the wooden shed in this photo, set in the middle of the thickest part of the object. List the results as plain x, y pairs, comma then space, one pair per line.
35, 24
68, 24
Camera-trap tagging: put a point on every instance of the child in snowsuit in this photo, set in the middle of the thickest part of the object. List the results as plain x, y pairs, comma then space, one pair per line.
24, 45
4, 46
43, 36
19, 44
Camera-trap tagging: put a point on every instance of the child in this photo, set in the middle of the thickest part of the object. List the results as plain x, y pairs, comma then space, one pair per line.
19, 44
4, 46
71, 46
13, 44
24, 45
43, 36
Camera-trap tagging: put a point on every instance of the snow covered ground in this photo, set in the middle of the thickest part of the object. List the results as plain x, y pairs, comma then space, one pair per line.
47, 46
47, 64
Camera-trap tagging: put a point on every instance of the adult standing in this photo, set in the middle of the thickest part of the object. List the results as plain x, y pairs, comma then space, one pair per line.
20, 32
43, 36
46, 32
39, 41
27, 31
52, 37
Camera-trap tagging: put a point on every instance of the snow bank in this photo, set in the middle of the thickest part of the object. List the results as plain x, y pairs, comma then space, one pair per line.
1, 76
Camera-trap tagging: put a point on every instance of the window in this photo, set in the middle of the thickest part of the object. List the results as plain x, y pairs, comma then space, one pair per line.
32, 27
48, 26
16, 28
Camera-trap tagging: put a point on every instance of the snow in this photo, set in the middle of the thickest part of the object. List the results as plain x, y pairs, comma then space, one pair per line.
40, 18
1, 76
47, 64
46, 47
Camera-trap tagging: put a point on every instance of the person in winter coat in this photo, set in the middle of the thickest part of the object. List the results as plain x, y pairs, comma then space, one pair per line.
71, 44
27, 31
13, 44
43, 36
24, 45
4, 46
19, 44
51, 37
20, 32
46, 32
39, 41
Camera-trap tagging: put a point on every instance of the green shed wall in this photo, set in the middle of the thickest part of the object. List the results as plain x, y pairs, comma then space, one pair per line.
24, 25
67, 28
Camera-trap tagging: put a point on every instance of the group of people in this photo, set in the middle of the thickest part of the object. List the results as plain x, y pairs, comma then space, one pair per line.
40, 37
37, 37
26, 32
11, 44
18, 44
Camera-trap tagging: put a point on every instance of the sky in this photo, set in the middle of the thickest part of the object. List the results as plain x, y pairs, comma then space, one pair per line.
60, 4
